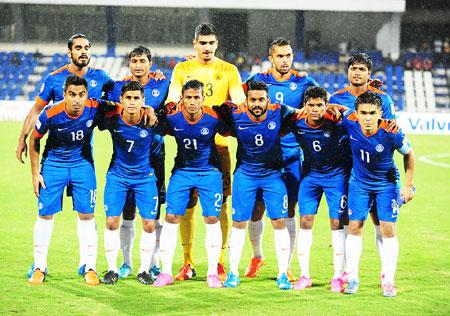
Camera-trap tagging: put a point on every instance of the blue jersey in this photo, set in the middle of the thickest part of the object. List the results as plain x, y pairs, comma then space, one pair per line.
324, 152
155, 93
289, 92
131, 146
69, 137
373, 156
346, 98
53, 86
259, 148
196, 148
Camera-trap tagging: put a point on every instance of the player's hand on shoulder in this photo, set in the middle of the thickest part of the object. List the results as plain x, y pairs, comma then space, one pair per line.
376, 83
38, 181
189, 56
334, 111
392, 126
159, 75
150, 119
22, 148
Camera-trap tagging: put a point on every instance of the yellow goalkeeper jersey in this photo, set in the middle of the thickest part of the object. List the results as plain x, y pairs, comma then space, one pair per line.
221, 80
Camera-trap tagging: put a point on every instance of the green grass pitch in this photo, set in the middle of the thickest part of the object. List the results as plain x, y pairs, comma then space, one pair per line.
423, 275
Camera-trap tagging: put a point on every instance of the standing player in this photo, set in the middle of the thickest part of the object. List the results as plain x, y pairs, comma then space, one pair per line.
155, 92
130, 170
258, 167
324, 171
286, 86
67, 159
222, 82
375, 177
196, 167
359, 69
79, 52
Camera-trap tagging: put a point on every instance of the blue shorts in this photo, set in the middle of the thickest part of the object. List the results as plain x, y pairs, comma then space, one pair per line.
144, 190
84, 188
160, 173
208, 185
361, 199
245, 189
312, 187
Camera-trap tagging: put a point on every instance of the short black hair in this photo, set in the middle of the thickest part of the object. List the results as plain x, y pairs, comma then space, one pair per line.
205, 29
192, 84
140, 50
74, 37
360, 58
74, 80
256, 85
315, 92
131, 86
368, 98
280, 41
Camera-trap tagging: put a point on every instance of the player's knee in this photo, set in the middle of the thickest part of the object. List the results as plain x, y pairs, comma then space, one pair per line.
387, 229
278, 223
355, 227
112, 222
211, 219
173, 219
47, 217
335, 224
148, 225
240, 225
306, 221
192, 202
85, 217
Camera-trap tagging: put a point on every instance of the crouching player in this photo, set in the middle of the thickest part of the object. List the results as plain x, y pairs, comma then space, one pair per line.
375, 178
259, 162
324, 171
196, 167
130, 170
67, 160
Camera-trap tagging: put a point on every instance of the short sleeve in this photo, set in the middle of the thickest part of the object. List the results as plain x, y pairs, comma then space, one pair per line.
176, 85
42, 124
401, 143
235, 86
46, 93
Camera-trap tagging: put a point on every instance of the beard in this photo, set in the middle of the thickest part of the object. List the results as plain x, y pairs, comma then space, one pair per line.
81, 64
261, 113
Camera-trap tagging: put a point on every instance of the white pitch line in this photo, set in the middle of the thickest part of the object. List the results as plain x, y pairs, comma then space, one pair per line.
427, 159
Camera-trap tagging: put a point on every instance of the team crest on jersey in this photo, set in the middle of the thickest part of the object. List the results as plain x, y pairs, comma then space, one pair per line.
272, 125
293, 86
379, 148
89, 123
155, 93
106, 207
327, 133
218, 76
143, 133
93, 83
204, 131
41, 205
